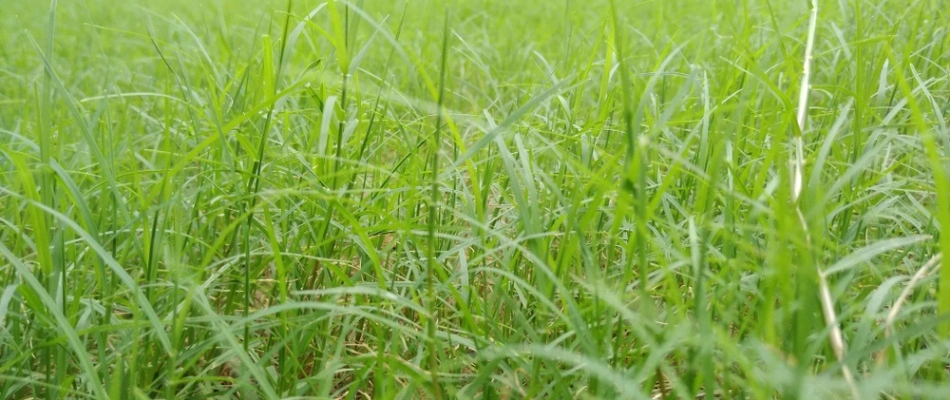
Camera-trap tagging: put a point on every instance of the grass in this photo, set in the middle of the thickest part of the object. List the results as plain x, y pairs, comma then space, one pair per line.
473, 199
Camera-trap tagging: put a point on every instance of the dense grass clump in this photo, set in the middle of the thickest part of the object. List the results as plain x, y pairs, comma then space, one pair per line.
474, 199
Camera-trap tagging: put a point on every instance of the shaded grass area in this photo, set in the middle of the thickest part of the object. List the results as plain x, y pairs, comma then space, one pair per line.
478, 199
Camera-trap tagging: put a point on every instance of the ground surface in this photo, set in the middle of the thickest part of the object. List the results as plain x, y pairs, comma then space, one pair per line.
473, 199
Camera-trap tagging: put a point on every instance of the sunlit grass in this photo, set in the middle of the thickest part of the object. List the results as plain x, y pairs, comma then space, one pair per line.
478, 199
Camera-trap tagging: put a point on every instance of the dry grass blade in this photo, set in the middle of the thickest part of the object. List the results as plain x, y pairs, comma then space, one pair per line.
797, 139
892, 314
921, 273
827, 303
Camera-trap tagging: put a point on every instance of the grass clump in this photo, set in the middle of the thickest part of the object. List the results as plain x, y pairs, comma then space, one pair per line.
479, 199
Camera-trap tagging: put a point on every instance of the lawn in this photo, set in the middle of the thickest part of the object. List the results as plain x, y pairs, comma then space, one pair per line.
474, 199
